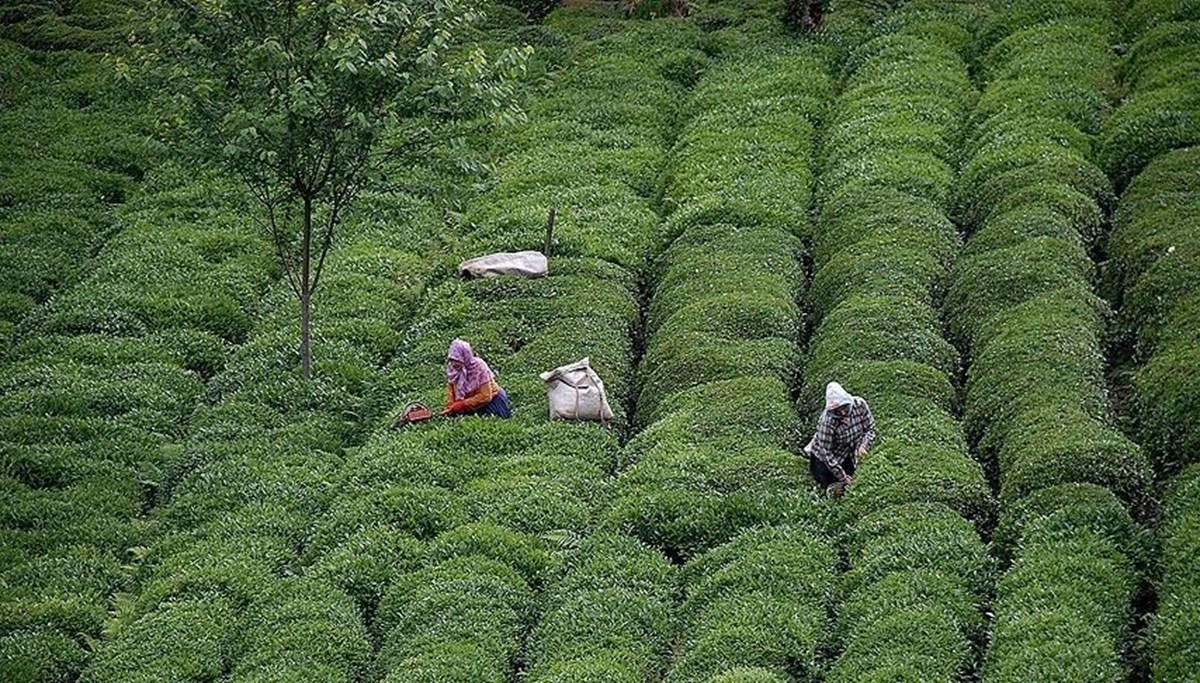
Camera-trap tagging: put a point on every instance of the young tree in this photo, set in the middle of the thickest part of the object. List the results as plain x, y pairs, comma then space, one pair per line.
293, 96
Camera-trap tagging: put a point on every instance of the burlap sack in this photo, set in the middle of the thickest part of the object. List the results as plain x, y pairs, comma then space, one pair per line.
518, 264
576, 392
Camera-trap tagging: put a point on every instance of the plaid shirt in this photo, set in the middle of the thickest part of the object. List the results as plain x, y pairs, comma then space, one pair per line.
837, 438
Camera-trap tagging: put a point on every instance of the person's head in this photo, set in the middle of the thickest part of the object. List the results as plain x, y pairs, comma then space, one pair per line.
459, 355
838, 401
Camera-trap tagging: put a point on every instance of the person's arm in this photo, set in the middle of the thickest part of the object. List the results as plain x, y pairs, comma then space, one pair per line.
822, 447
477, 400
869, 436
449, 394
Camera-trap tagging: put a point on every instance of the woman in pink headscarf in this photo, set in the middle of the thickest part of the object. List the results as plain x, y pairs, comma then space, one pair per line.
471, 387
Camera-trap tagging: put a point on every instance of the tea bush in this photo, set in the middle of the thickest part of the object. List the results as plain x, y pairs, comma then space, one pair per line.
186, 638
606, 616
883, 248
722, 320
304, 624
1175, 653
778, 580
470, 600
1032, 197
1163, 111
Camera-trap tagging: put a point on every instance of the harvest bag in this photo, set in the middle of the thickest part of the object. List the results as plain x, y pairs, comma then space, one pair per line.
520, 264
576, 392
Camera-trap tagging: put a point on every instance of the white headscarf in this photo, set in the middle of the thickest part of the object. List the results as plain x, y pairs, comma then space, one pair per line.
836, 396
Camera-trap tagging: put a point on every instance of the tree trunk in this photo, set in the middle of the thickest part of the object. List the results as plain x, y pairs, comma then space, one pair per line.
306, 293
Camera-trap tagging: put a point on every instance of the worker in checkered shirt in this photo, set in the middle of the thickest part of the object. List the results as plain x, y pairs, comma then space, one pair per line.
845, 431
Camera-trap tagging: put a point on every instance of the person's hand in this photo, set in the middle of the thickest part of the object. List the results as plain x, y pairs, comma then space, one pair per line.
860, 454
445, 412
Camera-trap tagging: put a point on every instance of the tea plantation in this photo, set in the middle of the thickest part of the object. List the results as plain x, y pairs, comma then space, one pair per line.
982, 217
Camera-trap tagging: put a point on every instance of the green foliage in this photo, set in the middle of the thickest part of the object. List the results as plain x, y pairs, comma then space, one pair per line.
933, 649
1020, 301
1175, 653
1082, 448
607, 617
916, 536
881, 329
1082, 507
523, 553
1069, 594
1161, 113
752, 631
758, 601
910, 465
182, 641
686, 499
466, 600
74, 142
366, 562
609, 628
1152, 275
303, 622
63, 589
732, 414
916, 590
46, 656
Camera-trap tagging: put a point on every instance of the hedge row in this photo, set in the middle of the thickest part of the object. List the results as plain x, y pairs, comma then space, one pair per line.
1066, 604
1020, 297
759, 602
918, 571
513, 490
723, 319
1161, 111
261, 463
90, 415
74, 145
1020, 302
1175, 623
1153, 275
606, 616
1151, 278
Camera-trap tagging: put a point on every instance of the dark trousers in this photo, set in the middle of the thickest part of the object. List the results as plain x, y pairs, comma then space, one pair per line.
824, 475
497, 407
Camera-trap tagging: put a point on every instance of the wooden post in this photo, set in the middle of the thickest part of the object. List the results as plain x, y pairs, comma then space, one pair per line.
549, 231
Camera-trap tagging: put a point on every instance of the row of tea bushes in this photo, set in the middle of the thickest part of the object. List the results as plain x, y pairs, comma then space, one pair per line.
1151, 273
91, 413
607, 615
1160, 73
74, 144
712, 481
918, 571
1151, 276
1174, 626
1154, 275
723, 319
1020, 302
259, 465
511, 496
759, 603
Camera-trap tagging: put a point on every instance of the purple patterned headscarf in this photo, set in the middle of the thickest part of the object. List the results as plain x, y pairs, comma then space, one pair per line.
474, 372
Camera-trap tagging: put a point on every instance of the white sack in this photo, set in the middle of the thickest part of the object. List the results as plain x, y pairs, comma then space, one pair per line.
576, 392
520, 264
